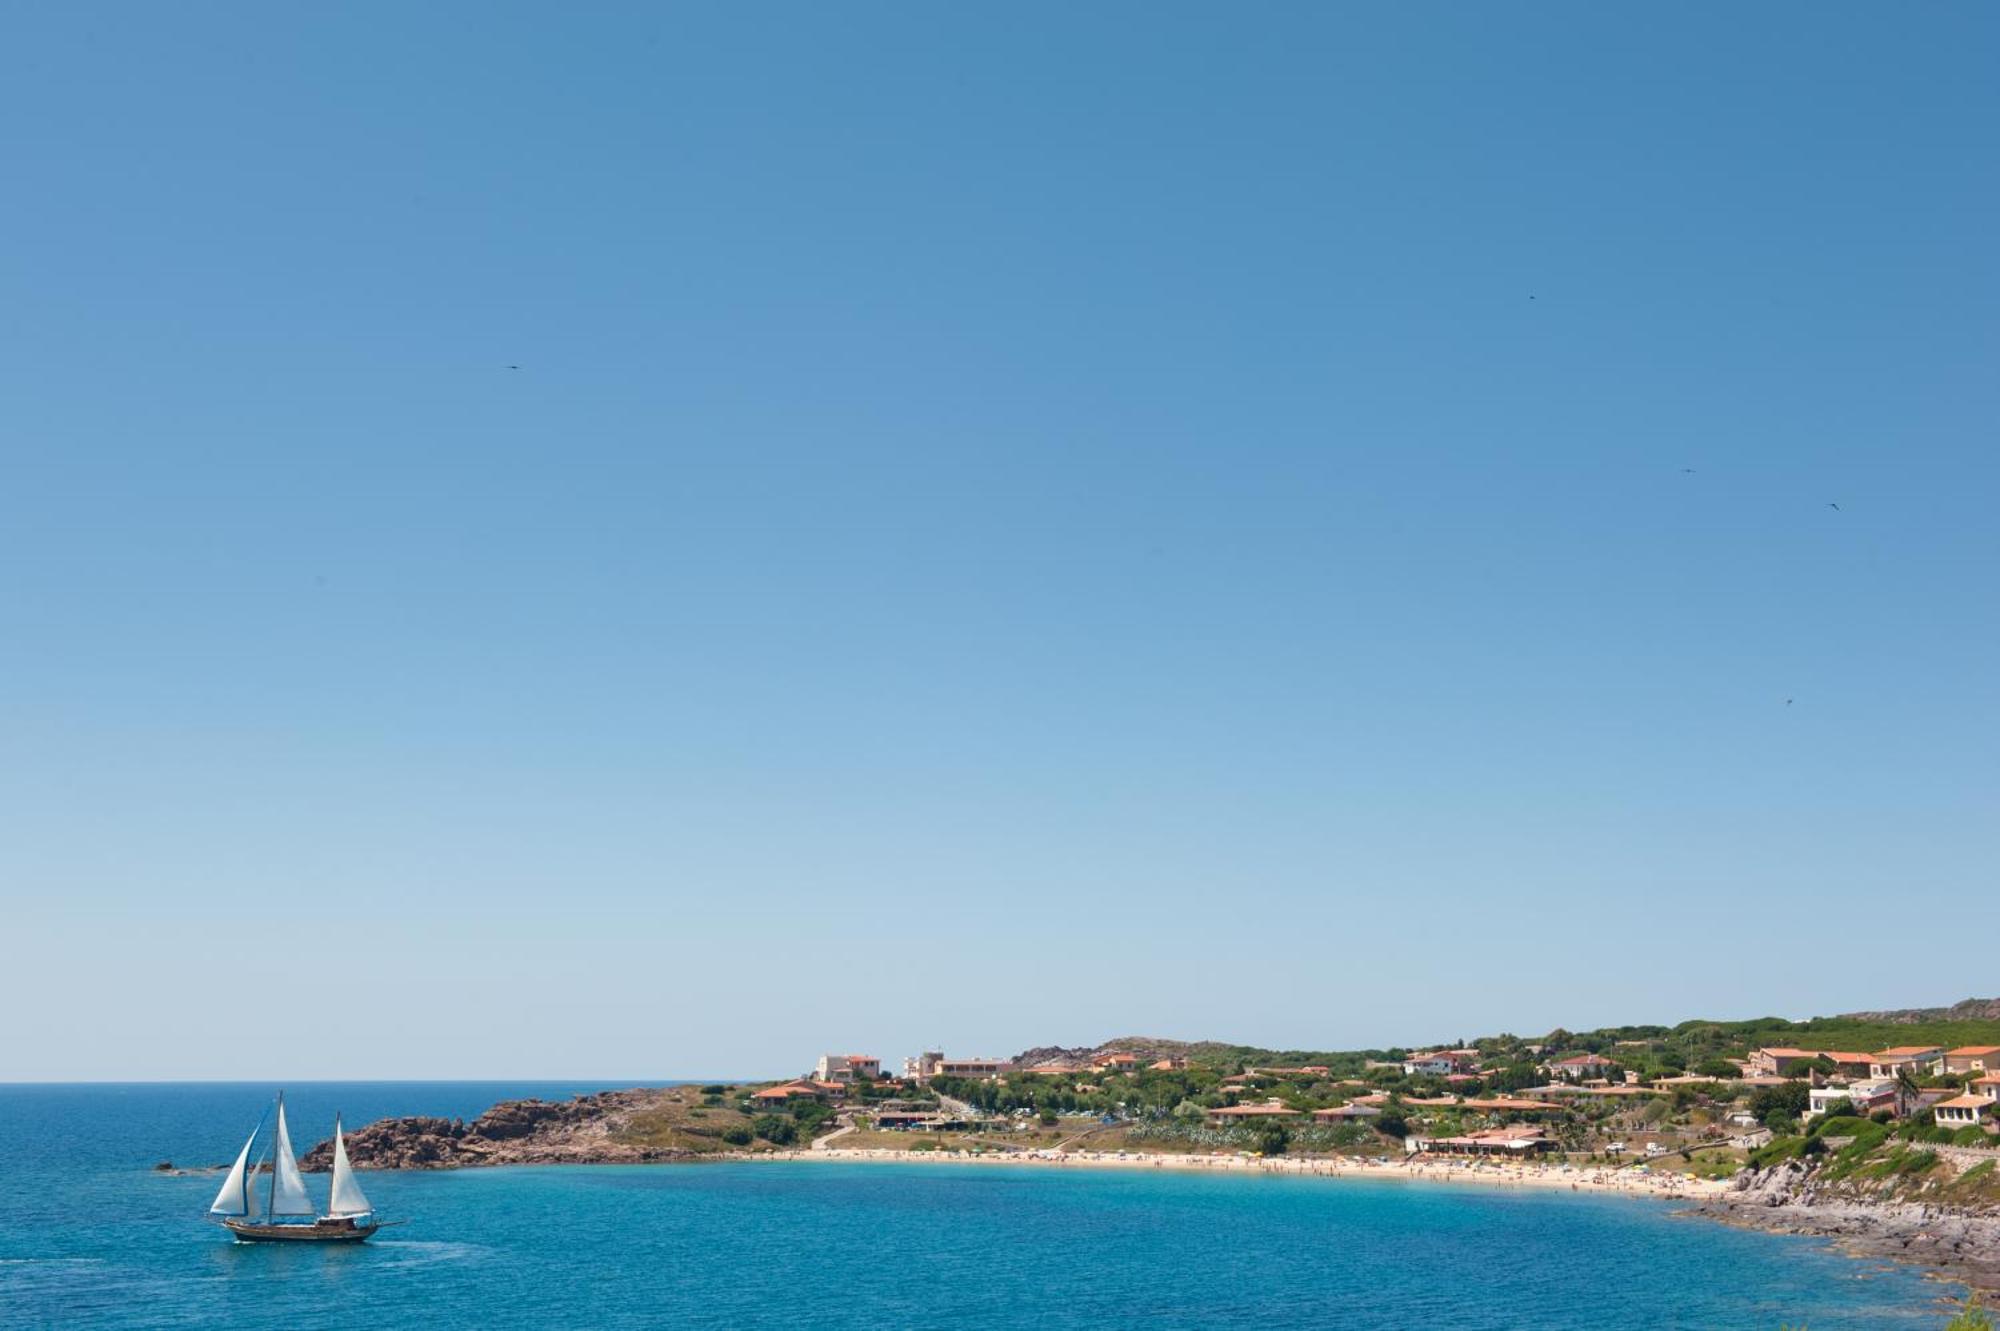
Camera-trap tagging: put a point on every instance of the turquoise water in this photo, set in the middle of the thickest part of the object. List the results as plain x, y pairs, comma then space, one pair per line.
89, 1236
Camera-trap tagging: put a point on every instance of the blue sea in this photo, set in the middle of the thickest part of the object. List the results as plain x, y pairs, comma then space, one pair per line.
90, 1236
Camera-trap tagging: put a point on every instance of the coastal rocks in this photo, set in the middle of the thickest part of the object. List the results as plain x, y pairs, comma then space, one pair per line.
1776, 1186
517, 1132
1962, 1243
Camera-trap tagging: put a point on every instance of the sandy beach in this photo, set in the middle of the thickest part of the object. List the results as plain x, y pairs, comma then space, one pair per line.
1630, 1181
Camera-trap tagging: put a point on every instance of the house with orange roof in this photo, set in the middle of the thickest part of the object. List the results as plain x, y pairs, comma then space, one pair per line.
1971, 1058
1502, 1104
1268, 1112
1912, 1058
1521, 1139
1778, 1062
1848, 1061
787, 1092
1988, 1086
1965, 1111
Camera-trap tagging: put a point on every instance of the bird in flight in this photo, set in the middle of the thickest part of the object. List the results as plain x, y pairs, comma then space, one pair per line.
1687, 471
1835, 507
513, 367
1788, 702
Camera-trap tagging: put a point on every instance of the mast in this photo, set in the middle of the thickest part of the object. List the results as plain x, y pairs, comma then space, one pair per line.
271, 1202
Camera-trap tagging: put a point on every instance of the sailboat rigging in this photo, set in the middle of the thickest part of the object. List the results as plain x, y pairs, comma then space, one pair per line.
279, 1209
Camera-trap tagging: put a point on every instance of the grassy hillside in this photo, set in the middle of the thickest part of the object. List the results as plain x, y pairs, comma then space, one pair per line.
1966, 1023
697, 1119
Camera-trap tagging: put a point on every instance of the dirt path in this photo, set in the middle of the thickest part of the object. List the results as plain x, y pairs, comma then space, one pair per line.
821, 1143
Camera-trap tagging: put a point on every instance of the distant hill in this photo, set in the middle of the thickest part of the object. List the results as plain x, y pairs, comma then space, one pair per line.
1965, 1022
1150, 1047
1971, 1009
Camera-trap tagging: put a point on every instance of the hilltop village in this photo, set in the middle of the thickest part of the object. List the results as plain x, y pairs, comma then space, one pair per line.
1656, 1098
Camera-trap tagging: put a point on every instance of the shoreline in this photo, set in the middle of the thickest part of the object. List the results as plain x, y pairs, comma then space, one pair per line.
1958, 1250
1555, 1177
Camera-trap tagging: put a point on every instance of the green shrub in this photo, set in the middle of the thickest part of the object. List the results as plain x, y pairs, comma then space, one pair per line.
777, 1131
737, 1135
1843, 1125
1972, 1318
1776, 1151
1272, 1139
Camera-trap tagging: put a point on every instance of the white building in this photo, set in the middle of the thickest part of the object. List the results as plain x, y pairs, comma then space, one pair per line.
1862, 1097
1963, 1111
847, 1067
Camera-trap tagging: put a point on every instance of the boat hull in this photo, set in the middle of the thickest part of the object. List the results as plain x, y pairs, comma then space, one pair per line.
323, 1231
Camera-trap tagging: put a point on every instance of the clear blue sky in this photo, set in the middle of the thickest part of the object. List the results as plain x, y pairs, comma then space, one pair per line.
1012, 524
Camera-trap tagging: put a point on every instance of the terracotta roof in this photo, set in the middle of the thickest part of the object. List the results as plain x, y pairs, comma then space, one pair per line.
1254, 1111
1788, 1053
1502, 1102
1966, 1102
1973, 1050
1907, 1051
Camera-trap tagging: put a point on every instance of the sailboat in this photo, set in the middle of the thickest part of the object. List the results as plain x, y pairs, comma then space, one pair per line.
276, 1208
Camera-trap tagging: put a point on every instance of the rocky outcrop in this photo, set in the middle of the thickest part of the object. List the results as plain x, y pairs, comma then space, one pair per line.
517, 1132
1146, 1047
1963, 1243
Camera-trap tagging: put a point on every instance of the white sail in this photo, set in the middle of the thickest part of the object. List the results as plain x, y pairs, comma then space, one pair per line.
289, 1194
347, 1199
234, 1199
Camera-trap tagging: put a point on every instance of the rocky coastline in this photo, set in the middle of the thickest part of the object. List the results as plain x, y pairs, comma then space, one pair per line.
1957, 1243
517, 1132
